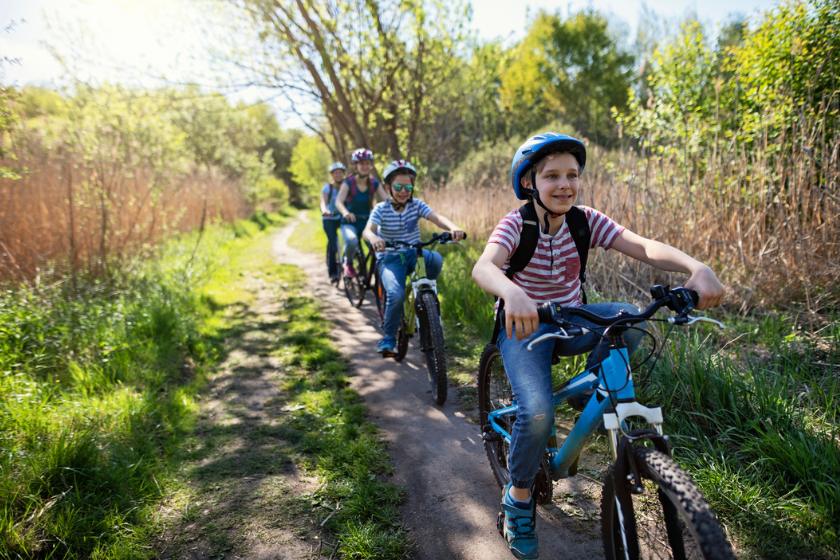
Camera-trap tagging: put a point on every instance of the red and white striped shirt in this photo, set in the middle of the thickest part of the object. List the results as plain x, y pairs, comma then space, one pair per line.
552, 274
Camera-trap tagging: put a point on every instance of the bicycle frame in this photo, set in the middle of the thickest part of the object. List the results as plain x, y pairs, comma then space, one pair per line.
615, 372
419, 283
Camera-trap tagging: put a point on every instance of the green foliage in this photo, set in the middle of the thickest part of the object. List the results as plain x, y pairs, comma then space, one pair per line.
760, 438
281, 146
8, 95
310, 160
95, 394
380, 68
773, 82
97, 390
574, 69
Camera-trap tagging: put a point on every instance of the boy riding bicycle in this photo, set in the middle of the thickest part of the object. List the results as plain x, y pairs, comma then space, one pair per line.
545, 170
398, 219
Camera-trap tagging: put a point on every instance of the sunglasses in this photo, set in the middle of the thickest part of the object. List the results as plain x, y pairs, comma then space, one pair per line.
398, 187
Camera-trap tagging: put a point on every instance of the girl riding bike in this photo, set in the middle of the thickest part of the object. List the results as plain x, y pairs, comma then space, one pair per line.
355, 201
545, 170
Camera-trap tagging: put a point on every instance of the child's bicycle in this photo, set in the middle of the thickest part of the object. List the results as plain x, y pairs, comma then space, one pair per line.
650, 507
421, 313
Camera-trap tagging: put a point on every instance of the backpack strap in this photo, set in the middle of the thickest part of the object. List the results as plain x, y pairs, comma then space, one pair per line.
353, 189
582, 236
374, 186
528, 239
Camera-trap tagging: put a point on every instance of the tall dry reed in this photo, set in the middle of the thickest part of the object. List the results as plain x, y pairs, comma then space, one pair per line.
66, 214
767, 222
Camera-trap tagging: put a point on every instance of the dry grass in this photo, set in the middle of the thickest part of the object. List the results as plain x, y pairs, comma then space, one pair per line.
768, 223
67, 214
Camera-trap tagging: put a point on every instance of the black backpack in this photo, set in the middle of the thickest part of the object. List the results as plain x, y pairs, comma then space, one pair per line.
581, 235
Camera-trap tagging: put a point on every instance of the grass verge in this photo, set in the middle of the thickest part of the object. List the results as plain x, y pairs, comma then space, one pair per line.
282, 455
97, 392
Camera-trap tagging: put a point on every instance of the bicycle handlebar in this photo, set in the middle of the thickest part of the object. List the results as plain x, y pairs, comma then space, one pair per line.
442, 238
679, 300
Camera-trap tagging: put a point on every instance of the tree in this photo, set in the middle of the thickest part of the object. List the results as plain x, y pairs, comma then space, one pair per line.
574, 69
310, 160
368, 66
590, 73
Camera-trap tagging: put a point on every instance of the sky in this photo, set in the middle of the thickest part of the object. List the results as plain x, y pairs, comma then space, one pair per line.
142, 40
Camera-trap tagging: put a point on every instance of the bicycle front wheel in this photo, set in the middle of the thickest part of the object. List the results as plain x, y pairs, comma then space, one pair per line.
354, 286
431, 340
670, 519
402, 341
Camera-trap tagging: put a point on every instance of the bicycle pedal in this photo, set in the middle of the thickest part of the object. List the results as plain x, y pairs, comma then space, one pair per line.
491, 437
500, 523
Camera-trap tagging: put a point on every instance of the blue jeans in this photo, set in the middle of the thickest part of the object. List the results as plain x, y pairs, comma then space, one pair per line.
530, 378
393, 270
331, 229
351, 233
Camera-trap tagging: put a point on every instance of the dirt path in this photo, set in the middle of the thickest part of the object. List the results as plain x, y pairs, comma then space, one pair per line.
437, 452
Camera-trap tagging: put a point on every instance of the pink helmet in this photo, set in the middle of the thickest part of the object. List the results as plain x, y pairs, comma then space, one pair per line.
362, 154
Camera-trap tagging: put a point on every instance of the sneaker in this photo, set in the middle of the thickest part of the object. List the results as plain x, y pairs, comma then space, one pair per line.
349, 271
518, 527
387, 346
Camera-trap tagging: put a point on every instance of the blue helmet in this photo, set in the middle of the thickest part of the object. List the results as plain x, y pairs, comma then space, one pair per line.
539, 146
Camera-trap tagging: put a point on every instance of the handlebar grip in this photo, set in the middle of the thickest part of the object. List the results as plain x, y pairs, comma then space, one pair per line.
544, 312
695, 297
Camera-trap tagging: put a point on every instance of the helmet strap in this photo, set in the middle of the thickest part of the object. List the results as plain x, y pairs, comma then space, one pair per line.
535, 194
399, 205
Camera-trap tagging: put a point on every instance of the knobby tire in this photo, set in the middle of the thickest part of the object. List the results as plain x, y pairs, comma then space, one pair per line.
671, 519
431, 338
354, 286
402, 341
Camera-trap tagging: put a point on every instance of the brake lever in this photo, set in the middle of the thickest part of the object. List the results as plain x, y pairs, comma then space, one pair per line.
563, 336
689, 320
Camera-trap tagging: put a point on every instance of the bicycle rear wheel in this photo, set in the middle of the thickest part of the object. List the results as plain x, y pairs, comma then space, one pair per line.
670, 519
431, 340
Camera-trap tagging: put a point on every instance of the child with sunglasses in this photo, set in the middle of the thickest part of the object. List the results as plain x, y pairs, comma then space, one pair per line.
398, 219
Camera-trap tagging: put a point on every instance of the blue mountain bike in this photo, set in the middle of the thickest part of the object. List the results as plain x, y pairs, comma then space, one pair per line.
650, 507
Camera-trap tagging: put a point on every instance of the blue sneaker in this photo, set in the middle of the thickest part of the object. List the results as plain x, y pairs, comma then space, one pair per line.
518, 527
387, 346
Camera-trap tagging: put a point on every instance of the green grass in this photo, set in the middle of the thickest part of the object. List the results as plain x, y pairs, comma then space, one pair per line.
97, 392
310, 236
318, 426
